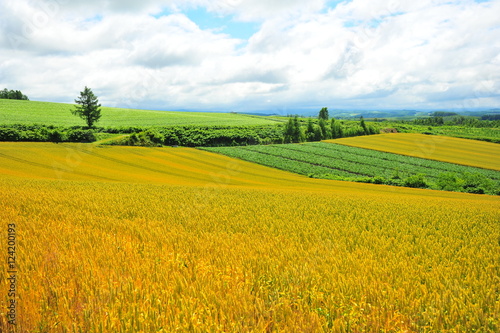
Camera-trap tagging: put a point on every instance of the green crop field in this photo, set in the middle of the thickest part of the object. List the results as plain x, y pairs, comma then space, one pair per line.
490, 134
58, 114
334, 161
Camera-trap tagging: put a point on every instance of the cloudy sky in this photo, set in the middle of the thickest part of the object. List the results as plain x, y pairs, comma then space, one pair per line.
277, 56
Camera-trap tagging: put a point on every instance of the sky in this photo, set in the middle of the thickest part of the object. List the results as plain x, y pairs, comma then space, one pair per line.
272, 56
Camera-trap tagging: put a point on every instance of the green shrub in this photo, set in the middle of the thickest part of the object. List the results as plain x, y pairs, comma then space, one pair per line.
81, 136
56, 136
416, 181
9, 134
478, 184
449, 182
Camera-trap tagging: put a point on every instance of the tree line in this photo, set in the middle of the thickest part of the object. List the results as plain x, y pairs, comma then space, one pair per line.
13, 94
458, 120
189, 136
323, 129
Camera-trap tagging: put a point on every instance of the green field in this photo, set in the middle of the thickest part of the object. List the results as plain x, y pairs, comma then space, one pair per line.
334, 161
58, 114
474, 133
490, 134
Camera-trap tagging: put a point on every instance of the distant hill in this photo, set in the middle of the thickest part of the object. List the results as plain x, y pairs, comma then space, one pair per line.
58, 114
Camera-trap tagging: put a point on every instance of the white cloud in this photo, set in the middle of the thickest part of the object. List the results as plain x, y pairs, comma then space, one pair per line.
360, 54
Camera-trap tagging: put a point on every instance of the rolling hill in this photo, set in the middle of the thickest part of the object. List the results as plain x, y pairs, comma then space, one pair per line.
58, 114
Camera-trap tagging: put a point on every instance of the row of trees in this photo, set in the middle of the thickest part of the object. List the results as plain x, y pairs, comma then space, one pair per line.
323, 130
431, 121
203, 136
189, 136
491, 117
467, 121
13, 94
38, 133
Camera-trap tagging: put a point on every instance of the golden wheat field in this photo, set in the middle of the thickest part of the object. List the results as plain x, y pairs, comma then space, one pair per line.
125, 239
441, 148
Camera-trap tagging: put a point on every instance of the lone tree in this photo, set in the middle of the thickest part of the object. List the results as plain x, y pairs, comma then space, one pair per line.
363, 125
323, 114
88, 107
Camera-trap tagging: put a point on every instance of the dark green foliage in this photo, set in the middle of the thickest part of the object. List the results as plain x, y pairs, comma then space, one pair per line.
491, 117
288, 131
476, 183
470, 182
155, 136
13, 94
55, 136
353, 131
322, 130
42, 133
323, 114
363, 125
310, 130
325, 133
79, 135
367, 130
190, 136
34, 133
206, 136
337, 131
298, 135
88, 107
449, 181
443, 114
9, 134
433, 121
318, 134
416, 181
148, 138
223, 136
293, 131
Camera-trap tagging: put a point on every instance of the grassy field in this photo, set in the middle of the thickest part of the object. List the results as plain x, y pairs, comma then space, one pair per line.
130, 239
439, 148
58, 114
490, 134
482, 133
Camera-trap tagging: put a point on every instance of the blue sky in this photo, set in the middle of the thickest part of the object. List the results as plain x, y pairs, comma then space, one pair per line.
222, 23
277, 56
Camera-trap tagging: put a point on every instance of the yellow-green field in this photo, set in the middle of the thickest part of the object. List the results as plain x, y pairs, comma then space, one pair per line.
441, 148
59, 114
128, 239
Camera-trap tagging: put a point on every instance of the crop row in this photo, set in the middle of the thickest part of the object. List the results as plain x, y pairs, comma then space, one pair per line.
388, 160
334, 164
332, 161
282, 163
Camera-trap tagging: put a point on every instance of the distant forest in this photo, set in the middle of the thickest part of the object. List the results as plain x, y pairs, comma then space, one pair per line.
13, 94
